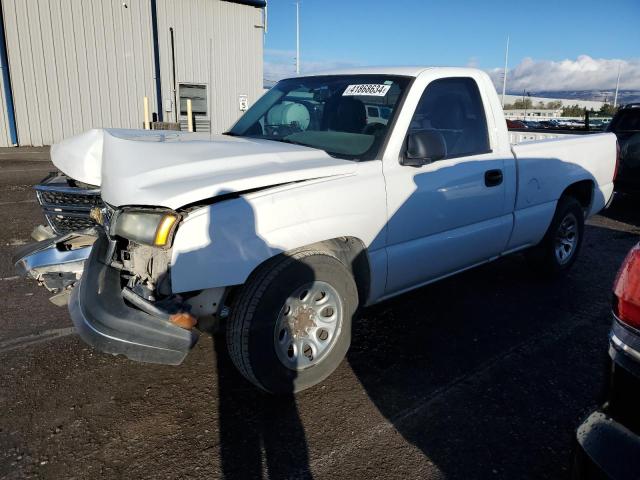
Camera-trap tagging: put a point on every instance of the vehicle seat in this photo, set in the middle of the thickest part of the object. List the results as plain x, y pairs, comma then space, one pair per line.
461, 133
345, 114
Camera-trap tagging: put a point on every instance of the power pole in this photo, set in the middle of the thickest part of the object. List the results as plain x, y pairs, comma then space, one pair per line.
504, 79
297, 38
615, 98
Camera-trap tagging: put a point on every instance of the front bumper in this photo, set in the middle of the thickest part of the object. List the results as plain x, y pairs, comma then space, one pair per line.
608, 442
55, 263
52, 256
606, 449
105, 321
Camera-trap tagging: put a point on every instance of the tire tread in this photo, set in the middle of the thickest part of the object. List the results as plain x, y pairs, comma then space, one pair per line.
244, 306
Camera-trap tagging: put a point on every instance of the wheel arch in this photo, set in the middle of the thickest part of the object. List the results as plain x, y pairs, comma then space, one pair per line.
582, 191
351, 251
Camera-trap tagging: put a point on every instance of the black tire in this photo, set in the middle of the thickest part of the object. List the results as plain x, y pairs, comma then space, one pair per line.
254, 313
543, 258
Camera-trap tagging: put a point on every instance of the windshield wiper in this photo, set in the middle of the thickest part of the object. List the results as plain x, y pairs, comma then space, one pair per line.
293, 142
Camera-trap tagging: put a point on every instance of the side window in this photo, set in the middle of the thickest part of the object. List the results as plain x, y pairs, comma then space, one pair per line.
453, 107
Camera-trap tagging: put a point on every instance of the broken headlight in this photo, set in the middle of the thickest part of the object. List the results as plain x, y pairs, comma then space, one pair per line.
149, 227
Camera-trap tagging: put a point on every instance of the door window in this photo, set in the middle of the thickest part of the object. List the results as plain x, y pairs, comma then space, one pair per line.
453, 107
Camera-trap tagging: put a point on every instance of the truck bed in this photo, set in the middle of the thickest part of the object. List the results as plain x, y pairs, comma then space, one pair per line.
522, 136
548, 163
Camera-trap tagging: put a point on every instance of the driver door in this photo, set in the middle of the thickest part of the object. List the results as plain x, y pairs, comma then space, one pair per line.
448, 214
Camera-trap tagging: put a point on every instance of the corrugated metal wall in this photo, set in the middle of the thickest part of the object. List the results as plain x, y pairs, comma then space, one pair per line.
81, 64
216, 43
5, 138
78, 64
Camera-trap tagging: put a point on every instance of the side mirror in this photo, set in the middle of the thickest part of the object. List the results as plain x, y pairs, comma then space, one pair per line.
424, 146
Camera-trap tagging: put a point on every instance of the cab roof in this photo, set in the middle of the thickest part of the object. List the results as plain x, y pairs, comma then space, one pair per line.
406, 71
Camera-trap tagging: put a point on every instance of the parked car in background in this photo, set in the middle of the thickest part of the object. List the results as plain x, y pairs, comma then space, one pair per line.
598, 123
532, 124
287, 224
626, 125
608, 442
548, 124
571, 124
515, 124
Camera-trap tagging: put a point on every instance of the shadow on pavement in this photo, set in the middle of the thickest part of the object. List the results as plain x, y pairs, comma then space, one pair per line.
489, 372
256, 428
261, 435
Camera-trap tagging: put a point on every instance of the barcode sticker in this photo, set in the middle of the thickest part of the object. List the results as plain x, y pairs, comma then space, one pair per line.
371, 90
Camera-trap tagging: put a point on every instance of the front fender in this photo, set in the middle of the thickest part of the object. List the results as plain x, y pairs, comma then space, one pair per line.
221, 244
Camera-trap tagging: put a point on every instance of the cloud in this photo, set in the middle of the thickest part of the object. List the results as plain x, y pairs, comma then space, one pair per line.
584, 73
279, 64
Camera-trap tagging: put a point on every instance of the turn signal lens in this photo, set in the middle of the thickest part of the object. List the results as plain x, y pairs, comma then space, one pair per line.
163, 232
145, 226
626, 289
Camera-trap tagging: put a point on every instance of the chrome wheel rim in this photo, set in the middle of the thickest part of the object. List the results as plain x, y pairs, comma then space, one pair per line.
566, 238
308, 325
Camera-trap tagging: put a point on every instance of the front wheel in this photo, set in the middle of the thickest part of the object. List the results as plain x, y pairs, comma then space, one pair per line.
290, 325
559, 248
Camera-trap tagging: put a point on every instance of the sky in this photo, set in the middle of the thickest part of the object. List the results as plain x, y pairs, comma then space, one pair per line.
554, 44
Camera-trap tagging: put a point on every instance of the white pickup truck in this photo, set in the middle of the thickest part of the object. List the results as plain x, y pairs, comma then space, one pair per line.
304, 211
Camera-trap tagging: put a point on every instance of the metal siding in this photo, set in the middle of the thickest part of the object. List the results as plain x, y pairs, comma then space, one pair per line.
21, 80
48, 71
5, 137
80, 64
217, 44
76, 65
5, 141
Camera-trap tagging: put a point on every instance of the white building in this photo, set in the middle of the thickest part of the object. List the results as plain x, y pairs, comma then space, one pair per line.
532, 114
565, 102
72, 65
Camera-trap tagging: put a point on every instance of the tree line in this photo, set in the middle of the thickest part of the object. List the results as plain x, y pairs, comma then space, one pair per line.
527, 103
607, 110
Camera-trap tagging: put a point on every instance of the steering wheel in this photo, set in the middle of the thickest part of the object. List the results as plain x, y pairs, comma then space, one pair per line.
375, 128
281, 130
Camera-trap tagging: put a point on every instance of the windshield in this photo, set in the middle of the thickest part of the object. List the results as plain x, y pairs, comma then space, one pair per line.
348, 116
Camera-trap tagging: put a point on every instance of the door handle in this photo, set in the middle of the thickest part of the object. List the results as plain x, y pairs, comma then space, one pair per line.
493, 178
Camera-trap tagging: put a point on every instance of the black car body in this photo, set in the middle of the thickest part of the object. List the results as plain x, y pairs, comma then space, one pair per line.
608, 442
626, 125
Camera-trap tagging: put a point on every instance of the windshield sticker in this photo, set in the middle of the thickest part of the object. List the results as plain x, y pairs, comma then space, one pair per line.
370, 90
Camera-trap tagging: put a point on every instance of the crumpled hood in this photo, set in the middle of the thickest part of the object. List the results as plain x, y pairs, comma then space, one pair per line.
173, 169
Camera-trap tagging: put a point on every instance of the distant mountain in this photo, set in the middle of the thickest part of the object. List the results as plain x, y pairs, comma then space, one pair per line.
624, 96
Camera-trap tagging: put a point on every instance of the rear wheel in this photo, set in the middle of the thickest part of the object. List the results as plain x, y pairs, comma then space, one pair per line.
290, 325
560, 246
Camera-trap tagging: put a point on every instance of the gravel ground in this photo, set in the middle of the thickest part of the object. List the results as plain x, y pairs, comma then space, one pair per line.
483, 375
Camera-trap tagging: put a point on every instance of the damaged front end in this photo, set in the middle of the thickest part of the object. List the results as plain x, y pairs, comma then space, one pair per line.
110, 316
56, 263
115, 280
56, 258
124, 303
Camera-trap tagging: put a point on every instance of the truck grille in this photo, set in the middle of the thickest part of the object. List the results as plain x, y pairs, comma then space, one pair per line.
64, 199
66, 207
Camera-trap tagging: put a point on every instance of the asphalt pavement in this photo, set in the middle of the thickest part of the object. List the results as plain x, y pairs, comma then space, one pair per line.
483, 375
